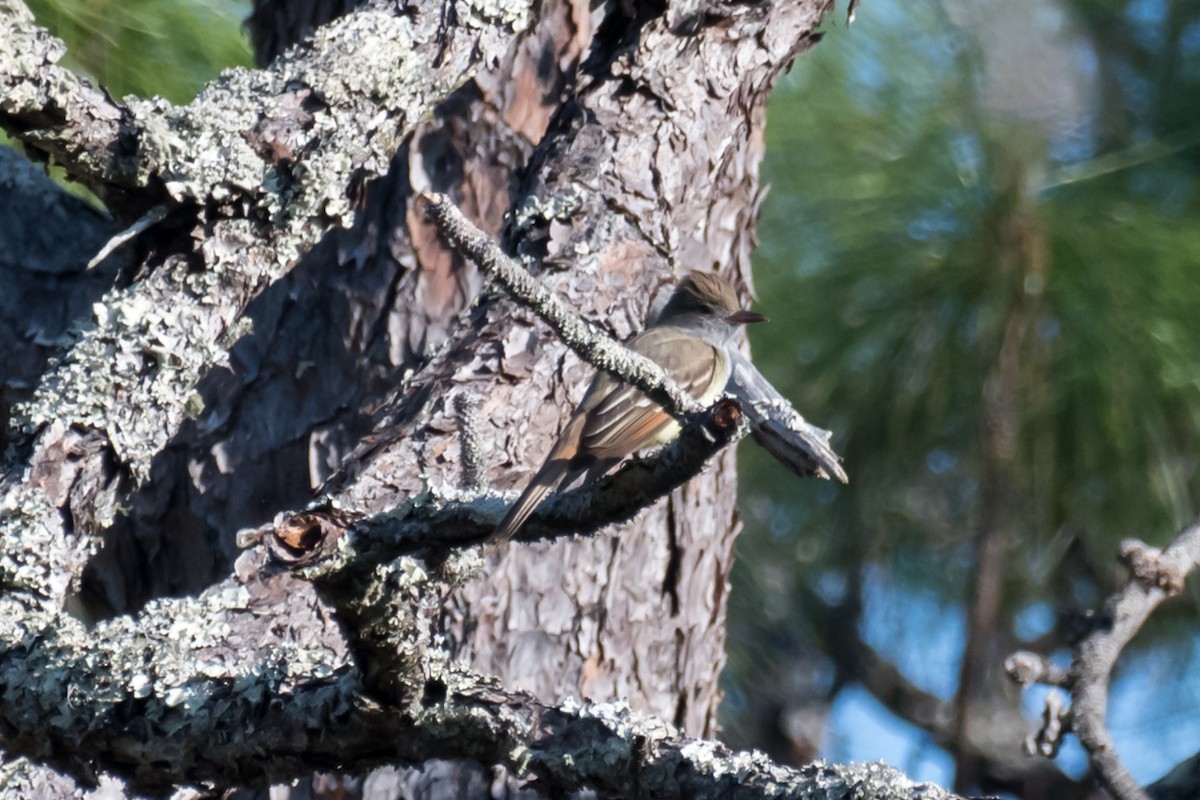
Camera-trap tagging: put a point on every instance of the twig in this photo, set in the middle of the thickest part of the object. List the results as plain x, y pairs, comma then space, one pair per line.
441, 521
151, 217
1056, 723
592, 344
470, 444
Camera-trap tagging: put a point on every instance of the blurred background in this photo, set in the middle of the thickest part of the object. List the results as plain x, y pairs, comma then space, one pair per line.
981, 260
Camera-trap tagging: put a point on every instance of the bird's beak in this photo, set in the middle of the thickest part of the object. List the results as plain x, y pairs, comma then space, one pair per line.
744, 317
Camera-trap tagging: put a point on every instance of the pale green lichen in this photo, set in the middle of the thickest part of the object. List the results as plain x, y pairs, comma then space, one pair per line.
134, 373
534, 210
34, 557
177, 650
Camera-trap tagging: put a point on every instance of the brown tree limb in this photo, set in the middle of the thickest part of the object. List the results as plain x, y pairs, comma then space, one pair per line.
448, 519
1000, 422
1155, 576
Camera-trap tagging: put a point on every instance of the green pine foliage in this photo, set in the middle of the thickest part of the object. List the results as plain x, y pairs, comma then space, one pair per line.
146, 48
152, 47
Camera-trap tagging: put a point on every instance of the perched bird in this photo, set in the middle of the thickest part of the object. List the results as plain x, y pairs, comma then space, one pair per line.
689, 340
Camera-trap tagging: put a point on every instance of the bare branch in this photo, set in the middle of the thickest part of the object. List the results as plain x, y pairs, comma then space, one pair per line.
443, 520
1155, 575
1056, 723
181, 682
1160, 576
778, 427
148, 219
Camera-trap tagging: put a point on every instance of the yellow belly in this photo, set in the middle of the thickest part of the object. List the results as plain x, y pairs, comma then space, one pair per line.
671, 430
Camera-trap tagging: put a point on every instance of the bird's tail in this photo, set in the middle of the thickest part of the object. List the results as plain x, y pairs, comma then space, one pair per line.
550, 475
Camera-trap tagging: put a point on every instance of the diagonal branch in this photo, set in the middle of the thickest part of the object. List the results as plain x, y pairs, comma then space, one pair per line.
442, 520
589, 342
775, 424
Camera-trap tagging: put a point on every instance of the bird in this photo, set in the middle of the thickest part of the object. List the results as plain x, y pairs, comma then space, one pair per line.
689, 339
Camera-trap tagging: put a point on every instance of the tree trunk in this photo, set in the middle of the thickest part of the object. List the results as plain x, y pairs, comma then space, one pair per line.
639, 613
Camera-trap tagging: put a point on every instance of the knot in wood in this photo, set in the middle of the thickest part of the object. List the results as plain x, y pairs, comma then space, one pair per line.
297, 540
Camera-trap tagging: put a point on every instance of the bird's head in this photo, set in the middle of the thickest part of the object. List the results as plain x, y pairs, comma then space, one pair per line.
709, 299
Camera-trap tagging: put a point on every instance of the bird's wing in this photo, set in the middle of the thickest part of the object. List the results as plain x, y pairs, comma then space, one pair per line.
552, 472
620, 419
614, 419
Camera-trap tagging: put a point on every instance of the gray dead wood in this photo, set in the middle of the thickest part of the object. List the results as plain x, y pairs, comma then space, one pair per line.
1155, 576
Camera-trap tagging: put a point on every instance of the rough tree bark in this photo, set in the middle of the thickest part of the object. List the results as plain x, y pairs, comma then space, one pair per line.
279, 306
